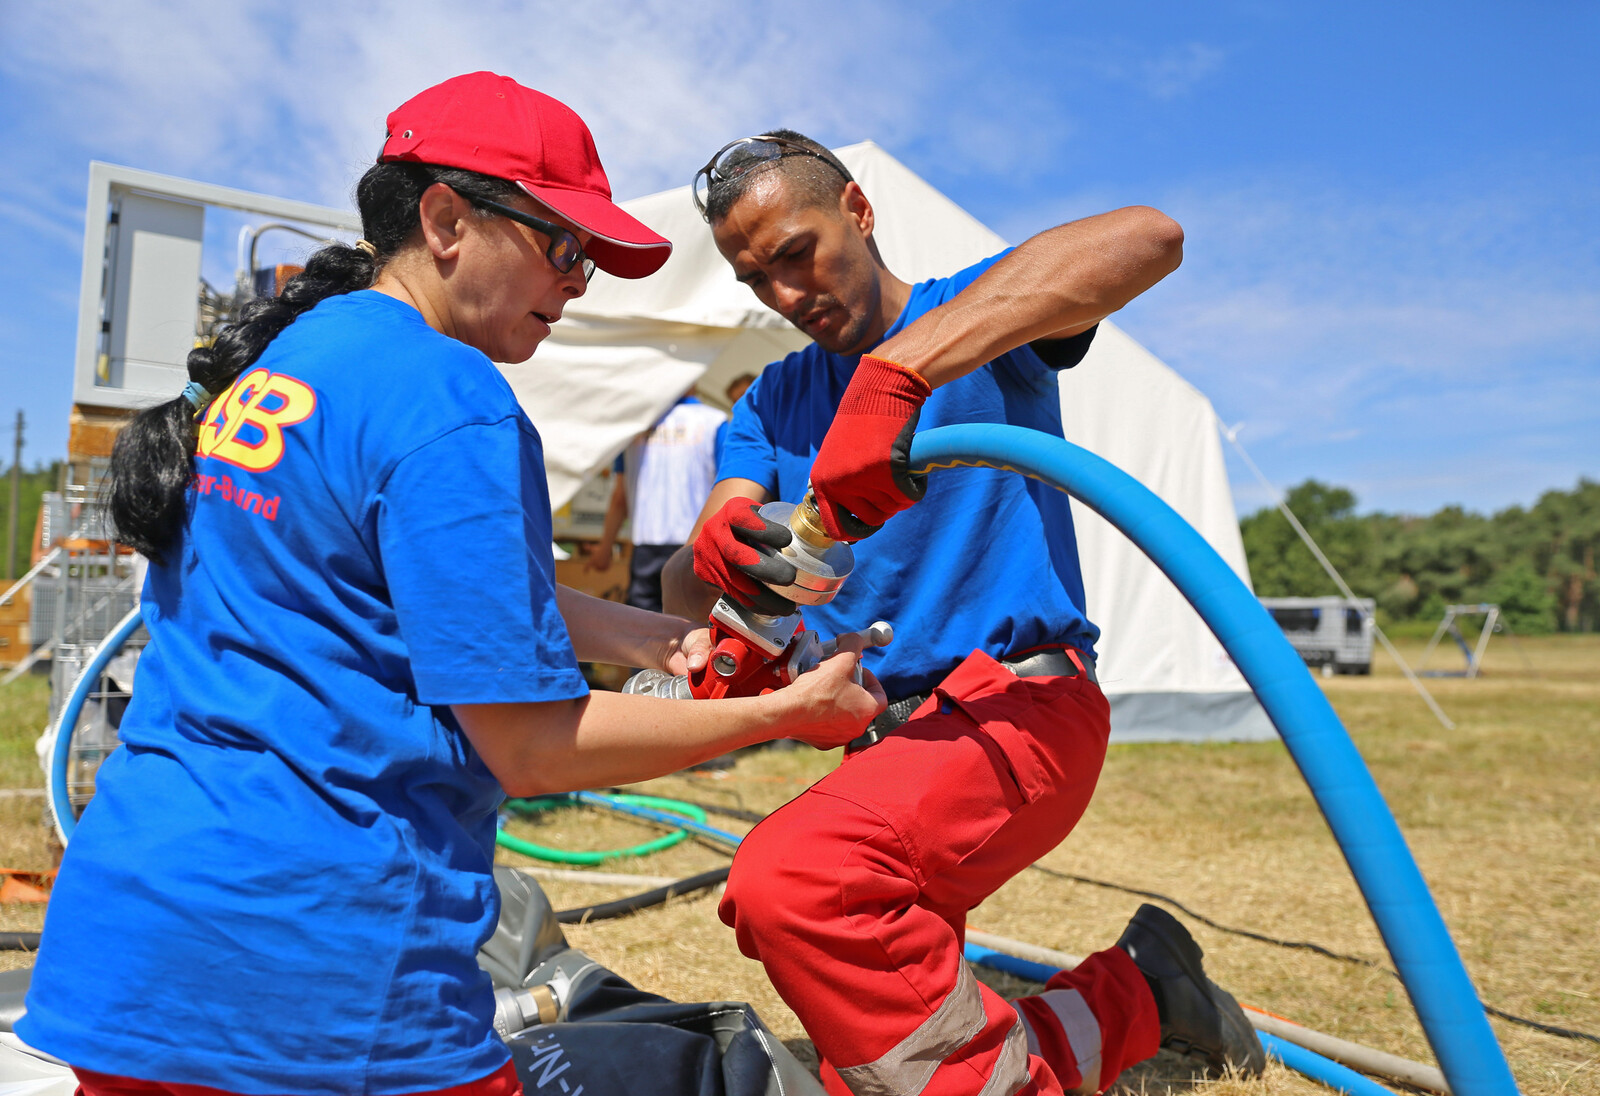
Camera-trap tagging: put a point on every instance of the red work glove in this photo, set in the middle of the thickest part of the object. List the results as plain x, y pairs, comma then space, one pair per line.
861, 476
736, 552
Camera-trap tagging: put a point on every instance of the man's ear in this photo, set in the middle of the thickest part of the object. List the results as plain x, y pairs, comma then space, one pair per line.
854, 206
443, 214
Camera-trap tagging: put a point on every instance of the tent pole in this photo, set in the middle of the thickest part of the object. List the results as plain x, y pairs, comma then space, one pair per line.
1433, 640
1489, 623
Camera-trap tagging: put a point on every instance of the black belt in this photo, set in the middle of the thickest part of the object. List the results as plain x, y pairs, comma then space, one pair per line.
1050, 662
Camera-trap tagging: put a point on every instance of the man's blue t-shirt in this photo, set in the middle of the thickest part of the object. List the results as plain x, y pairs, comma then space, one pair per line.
986, 560
284, 876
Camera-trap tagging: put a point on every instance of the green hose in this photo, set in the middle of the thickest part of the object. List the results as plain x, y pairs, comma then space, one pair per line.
589, 859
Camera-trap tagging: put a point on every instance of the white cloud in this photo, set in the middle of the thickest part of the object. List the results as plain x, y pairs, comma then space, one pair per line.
1176, 71
1308, 311
292, 97
1439, 341
1166, 74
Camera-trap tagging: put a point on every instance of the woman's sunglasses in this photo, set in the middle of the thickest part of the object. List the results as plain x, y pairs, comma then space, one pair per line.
564, 251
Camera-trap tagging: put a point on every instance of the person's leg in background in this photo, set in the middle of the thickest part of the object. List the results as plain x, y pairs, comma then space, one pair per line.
644, 574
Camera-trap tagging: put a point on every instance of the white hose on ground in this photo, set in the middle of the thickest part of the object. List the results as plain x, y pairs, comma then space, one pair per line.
567, 875
1023, 950
1368, 1060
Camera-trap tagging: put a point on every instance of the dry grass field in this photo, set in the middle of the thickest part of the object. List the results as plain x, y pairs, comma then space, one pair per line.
1502, 813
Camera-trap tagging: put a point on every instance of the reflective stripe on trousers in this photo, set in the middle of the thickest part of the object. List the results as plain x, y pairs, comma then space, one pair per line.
1082, 1032
908, 1067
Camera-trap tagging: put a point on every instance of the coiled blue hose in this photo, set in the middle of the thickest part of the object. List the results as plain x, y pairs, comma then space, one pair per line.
1390, 881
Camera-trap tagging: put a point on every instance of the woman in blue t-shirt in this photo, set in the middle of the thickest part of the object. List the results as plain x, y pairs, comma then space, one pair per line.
357, 646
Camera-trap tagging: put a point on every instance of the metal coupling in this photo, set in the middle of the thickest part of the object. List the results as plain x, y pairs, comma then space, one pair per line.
821, 565
518, 1009
659, 683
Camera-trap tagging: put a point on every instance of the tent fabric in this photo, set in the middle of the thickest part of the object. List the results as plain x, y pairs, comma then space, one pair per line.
626, 350
1164, 672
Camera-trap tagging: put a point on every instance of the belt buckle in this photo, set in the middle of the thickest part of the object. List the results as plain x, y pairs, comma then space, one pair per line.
868, 737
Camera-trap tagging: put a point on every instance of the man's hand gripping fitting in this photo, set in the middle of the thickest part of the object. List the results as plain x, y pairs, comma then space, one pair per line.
737, 552
862, 475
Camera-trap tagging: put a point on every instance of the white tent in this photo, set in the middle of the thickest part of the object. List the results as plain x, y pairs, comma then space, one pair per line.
626, 350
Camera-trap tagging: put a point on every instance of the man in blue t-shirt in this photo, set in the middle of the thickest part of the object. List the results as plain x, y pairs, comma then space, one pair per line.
855, 895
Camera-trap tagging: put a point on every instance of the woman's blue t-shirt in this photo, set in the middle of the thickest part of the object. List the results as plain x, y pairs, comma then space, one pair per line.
987, 560
283, 878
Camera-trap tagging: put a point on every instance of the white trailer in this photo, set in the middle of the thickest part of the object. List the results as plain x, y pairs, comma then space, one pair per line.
1333, 634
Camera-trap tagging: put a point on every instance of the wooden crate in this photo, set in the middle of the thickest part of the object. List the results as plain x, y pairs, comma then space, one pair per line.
15, 634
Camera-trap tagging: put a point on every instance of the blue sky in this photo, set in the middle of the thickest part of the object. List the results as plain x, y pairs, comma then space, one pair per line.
1393, 211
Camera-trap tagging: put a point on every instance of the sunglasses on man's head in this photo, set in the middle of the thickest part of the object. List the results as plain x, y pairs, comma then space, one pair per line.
564, 251
740, 157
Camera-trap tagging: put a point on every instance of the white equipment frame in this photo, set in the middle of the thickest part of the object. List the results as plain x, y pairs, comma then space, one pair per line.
1493, 622
108, 185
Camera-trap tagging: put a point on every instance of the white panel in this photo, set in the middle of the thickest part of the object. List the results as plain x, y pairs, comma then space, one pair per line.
155, 281
108, 182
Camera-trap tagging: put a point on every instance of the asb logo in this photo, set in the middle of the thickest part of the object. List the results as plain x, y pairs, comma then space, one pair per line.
244, 426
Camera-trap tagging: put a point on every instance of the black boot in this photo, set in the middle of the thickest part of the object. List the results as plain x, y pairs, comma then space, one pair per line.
1198, 1017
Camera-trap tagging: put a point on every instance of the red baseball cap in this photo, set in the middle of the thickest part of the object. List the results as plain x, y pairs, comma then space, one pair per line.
493, 125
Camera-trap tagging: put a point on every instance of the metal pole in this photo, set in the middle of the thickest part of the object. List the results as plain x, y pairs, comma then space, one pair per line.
1433, 641
16, 501
1483, 639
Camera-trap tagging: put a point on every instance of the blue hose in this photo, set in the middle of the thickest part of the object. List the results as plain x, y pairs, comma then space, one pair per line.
678, 822
1319, 1068
999, 960
67, 721
1390, 881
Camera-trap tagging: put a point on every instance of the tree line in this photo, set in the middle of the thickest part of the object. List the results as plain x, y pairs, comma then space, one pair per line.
32, 486
1538, 564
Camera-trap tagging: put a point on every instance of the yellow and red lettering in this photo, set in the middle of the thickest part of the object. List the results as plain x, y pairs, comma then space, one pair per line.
264, 402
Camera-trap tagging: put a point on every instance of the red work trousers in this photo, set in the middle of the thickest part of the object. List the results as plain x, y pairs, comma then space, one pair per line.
855, 895
502, 1082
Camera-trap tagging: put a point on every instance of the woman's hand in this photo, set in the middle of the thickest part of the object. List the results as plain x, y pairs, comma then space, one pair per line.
614, 738
829, 707
688, 652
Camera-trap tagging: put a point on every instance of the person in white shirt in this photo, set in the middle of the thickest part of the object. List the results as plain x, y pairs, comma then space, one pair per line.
666, 477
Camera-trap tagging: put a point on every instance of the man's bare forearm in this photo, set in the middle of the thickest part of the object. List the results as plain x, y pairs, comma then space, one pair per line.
618, 634
1055, 284
682, 592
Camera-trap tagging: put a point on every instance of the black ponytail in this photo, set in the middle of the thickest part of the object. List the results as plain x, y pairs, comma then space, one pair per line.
152, 461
